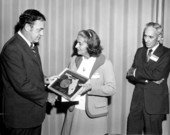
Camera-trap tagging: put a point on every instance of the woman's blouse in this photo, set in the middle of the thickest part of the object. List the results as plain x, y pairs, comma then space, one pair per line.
84, 69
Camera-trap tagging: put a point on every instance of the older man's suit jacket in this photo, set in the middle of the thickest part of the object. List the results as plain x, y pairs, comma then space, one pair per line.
156, 96
24, 95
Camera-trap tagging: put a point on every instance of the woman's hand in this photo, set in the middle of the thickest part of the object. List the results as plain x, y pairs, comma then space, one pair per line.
86, 87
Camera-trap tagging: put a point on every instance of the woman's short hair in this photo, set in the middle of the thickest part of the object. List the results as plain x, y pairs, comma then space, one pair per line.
93, 41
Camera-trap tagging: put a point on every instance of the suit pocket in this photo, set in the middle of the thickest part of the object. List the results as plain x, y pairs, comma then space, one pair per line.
100, 104
96, 106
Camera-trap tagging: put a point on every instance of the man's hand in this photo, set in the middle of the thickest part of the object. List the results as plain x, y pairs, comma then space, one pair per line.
48, 80
131, 72
52, 98
159, 81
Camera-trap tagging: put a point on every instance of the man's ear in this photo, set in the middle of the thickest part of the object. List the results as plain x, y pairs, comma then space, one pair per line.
27, 27
160, 38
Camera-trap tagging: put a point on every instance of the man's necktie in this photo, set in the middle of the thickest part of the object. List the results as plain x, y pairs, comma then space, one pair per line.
149, 54
33, 48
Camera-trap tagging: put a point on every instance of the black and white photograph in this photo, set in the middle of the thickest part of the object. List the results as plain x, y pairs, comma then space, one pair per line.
84, 67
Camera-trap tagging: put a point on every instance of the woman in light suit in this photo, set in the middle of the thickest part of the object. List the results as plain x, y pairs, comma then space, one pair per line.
90, 116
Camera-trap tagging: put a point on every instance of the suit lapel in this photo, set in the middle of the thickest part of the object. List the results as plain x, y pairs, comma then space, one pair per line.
24, 46
159, 51
140, 58
78, 60
144, 55
99, 61
37, 55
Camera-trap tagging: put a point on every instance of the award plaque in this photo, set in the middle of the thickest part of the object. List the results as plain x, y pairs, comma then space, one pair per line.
67, 84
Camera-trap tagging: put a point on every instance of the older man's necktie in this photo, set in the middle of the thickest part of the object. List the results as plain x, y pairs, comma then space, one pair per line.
149, 54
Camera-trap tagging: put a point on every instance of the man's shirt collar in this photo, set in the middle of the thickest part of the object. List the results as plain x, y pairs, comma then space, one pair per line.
154, 48
28, 42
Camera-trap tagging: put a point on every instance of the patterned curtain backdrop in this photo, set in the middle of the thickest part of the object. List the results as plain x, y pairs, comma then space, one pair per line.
119, 24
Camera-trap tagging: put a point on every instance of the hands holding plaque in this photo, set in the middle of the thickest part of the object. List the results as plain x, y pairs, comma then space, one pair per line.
69, 84
86, 87
51, 96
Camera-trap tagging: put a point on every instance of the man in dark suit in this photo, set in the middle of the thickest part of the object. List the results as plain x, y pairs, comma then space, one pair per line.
24, 95
149, 73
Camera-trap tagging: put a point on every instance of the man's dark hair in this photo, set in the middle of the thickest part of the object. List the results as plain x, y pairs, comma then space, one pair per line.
29, 16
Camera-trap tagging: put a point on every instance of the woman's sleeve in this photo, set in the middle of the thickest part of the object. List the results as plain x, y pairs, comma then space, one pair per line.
106, 84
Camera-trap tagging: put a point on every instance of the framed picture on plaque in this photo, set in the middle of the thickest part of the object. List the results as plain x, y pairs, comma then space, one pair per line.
67, 84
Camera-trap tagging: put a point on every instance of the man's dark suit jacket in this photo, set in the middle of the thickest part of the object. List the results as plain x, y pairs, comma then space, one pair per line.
156, 96
24, 95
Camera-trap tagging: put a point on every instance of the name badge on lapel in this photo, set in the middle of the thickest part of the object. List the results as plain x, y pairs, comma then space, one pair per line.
95, 76
154, 57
